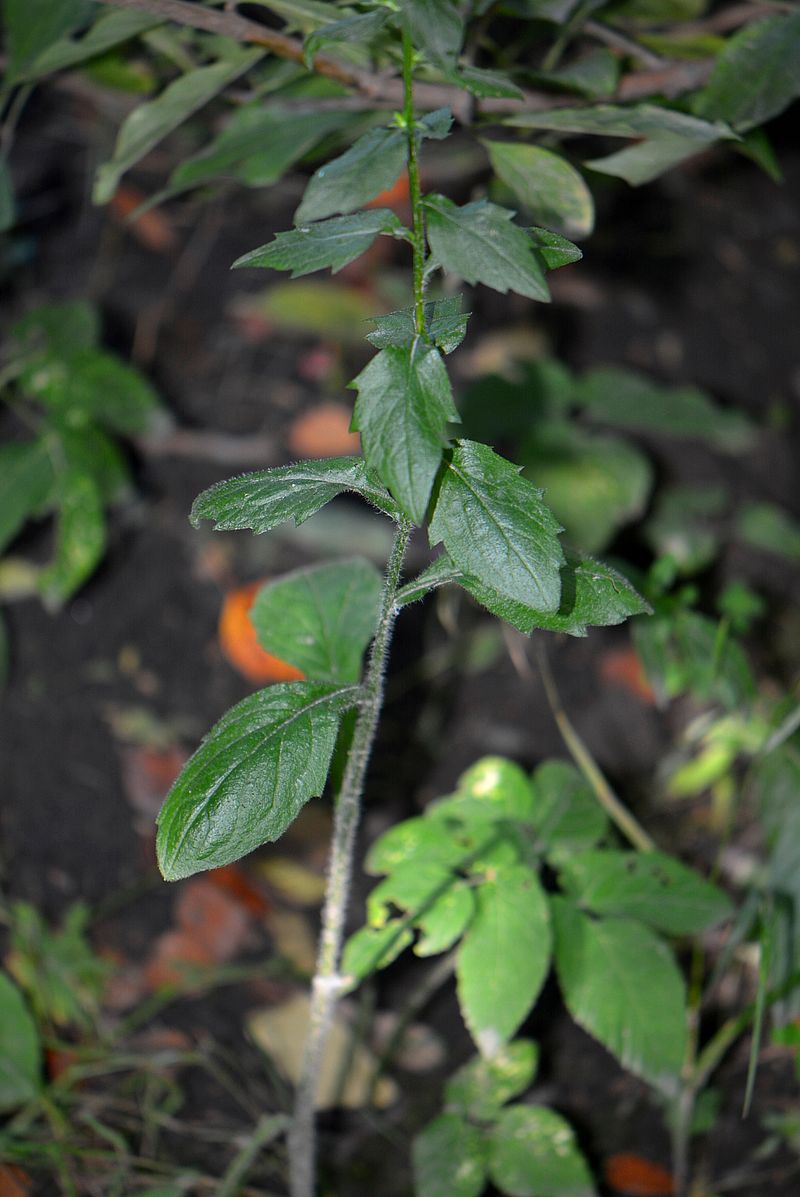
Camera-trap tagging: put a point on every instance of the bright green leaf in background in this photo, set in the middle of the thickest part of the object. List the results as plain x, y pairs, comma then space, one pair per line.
420, 839
546, 185
649, 886
329, 243
262, 501
766, 526
404, 404
533, 1153
685, 652
438, 904
480, 1088
251, 775
480, 242
504, 956
80, 537
320, 619
683, 525
449, 1159
496, 527
19, 1049
622, 985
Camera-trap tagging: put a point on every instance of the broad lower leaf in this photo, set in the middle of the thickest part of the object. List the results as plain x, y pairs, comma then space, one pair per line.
437, 903
435, 27
360, 29
264, 500
533, 1153
755, 77
445, 325
108, 31
145, 127
80, 537
480, 1089
26, 481
621, 984
480, 242
20, 1063
450, 1159
567, 815
649, 886
496, 527
320, 619
404, 403
546, 185
251, 776
504, 956
616, 120
330, 243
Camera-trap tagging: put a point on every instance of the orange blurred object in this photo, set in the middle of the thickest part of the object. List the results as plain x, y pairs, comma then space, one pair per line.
237, 639
623, 666
13, 1181
151, 229
231, 880
397, 196
324, 431
637, 1177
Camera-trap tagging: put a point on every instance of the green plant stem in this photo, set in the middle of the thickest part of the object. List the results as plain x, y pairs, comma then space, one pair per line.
414, 188
327, 982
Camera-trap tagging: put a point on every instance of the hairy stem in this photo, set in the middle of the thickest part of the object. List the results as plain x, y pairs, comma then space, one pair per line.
414, 190
327, 981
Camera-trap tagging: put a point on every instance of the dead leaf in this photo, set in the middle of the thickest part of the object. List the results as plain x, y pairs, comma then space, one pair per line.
293, 940
637, 1177
623, 666
147, 774
237, 639
14, 1182
176, 959
324, 431
293, 881
280, 1031
232, 880
217, 923
151, 229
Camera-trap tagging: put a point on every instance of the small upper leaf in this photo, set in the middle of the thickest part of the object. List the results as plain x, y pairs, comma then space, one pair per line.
251, 775
445, 325
496, 528
329, 243
404, 402
480, 242
320, 619
264, 500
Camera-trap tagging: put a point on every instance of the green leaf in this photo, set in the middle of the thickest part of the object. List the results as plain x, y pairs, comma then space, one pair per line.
373, 948
682, 525
302, 14
359, 29
80, 537
404, 403
436, 902
568, 816
533, 1153
486, 84
61, 328
756, 76
19, 1049
683, 651
480, 1089
651, 886
420, 839
594, 75
108, 31
504, 956
546, 184
263, 500
480, 243
621, 984
330, 243
501, 787
149, 123
767, 526
251, 776
594, 484
26, 481
33, 25
435, 27
320, 619
370, 166
496, 528
624, 398
8, 207
552, 250
445, 325
649, 159
616, 120
449, 1159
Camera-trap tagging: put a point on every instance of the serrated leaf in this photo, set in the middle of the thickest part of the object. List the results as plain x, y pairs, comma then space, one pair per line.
330, 243
567, 815
420, 839
546, 184
445, 325
360, 28
320, 619
480, 1088
251, 776
108, 31
504, 956
149, 123
534, 1153
372, 948
552, 250
755, 77
617, 120
449, 1159
80, 537
263, 500
404, 403
621, 984
26, 480
480, 243
496, 527
439, 904
650, 886
20, 1064
370, 166
435, 28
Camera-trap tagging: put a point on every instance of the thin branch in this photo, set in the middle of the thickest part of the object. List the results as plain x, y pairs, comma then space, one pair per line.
623, 43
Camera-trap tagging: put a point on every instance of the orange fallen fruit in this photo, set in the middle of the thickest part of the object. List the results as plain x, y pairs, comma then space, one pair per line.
239, 644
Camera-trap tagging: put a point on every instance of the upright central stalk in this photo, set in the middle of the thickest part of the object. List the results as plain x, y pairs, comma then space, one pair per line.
328, 983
